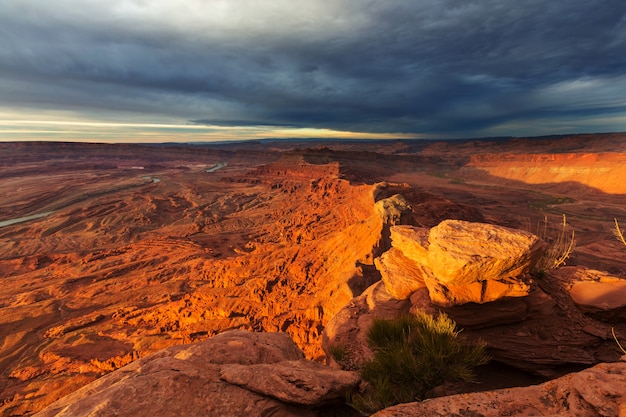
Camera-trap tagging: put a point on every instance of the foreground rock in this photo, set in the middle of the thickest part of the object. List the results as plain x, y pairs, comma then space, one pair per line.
597, 391
460, 262
600, 295
235, 373
543, 333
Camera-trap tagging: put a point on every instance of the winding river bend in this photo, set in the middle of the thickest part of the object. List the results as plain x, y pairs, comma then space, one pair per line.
4, 223
217, 166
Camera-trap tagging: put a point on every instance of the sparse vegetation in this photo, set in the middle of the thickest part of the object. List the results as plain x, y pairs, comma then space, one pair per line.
339, 352
619, 233
617, 341
560, 246
439, 174
547, 201
412, 355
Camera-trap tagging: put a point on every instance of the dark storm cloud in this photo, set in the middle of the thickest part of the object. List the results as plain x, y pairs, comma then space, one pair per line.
450, 67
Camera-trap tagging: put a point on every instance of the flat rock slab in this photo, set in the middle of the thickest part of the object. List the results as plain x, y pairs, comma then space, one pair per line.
599, 295
298, 382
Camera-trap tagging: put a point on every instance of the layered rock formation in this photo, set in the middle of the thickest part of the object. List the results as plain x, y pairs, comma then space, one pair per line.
603, 171
273, 241
130, 266
234, 374
535, 327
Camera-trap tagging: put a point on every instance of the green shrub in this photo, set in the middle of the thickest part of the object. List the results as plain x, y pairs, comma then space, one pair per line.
339, 352
412, 355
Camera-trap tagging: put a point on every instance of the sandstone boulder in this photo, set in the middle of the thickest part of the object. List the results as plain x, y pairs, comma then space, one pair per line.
411, 241
482, 291
235, 373
537, 328
461, 252
461, 262
597, 391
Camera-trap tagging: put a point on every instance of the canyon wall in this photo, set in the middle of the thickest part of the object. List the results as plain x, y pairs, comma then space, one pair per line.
602, 171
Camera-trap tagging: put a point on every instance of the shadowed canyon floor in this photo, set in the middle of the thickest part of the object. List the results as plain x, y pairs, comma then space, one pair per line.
139, 247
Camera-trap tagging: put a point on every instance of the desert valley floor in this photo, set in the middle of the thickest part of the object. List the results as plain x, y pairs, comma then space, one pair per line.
109, 253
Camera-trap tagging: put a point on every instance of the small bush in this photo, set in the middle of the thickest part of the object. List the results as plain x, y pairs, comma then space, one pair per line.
339, 352
412, 355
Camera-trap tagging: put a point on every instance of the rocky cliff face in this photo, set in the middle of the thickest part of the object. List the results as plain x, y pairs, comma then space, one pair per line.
602, 171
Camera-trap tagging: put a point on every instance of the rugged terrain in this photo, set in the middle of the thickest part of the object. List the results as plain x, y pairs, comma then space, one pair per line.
138, 248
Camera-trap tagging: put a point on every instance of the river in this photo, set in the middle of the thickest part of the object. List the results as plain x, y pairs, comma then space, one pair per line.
4, 223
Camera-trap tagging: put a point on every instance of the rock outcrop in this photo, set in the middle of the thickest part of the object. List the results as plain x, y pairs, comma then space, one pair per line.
600, 295
235, 373
400, 275
460, 262
393, 210
540, 330
597, 391
502, 312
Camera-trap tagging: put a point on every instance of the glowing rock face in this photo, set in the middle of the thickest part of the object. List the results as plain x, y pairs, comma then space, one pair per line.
460, 262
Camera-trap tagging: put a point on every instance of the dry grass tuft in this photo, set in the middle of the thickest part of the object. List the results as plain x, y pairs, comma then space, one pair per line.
619, 232
617, 341
560, 246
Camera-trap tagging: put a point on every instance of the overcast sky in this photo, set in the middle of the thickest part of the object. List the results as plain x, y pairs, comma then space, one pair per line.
220, 69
